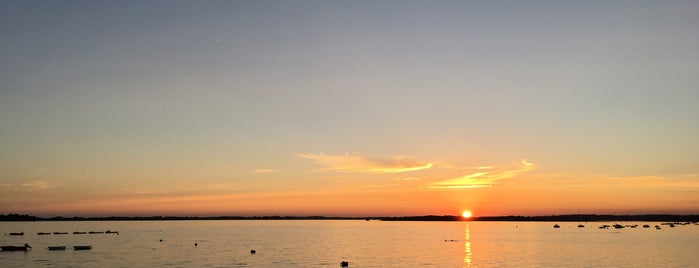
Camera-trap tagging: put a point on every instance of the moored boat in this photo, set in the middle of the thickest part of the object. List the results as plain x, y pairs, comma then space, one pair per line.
20, 233
556, 226
43, 233
79, 232
93, 232
15, 248
60, 233
57, 247
82, 247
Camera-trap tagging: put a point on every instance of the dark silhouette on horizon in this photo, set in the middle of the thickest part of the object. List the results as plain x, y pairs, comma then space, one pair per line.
564, 218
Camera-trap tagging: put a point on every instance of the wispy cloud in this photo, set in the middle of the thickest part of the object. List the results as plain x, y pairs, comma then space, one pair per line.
264, 170
682, 181
486, 176
355, 163
37, 184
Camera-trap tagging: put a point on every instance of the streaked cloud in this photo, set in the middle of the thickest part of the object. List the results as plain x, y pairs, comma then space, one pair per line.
678, 181
264, 170
146, 192
37, 184
485, 176
355, 163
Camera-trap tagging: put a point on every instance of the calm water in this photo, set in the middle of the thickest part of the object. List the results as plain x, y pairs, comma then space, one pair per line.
362, 243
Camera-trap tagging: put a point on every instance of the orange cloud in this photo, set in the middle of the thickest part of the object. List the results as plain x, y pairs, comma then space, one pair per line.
38, 184
353, 163
264, 170
485, 176
677, 181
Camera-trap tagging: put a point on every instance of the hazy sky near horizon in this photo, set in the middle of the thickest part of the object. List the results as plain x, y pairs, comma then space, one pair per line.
349, 107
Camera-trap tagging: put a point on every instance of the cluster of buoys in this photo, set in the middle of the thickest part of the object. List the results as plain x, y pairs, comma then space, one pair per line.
74, 247
620, 226
26, 247
97, 232
62, 233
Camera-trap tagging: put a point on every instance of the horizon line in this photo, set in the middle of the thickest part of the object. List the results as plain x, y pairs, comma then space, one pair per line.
558, 217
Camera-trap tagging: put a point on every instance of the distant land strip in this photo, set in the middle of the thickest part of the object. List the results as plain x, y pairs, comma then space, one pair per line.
562, 218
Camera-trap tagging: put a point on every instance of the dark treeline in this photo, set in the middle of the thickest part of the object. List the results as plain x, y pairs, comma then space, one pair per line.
570, 218
17, 217
424, 218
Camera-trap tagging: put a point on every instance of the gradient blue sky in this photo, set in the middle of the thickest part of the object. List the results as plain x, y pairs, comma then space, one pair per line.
260, 107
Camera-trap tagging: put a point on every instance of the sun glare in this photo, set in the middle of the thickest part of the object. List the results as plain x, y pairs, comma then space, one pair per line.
466, 214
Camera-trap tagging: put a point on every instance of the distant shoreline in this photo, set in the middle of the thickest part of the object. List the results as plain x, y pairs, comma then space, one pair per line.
558, 218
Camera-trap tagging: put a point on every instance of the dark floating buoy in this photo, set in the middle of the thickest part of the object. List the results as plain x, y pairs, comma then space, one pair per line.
161, 240
344, 264
195, 244
252, 251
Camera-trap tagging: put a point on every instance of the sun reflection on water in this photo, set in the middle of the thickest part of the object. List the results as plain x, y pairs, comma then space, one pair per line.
467, 246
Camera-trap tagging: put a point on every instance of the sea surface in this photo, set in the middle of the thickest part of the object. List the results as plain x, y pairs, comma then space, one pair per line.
326, 243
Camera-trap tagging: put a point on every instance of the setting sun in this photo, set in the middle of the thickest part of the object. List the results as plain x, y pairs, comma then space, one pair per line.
466, 214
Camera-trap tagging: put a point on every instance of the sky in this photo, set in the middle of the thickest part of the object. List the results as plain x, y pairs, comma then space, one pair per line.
349, 108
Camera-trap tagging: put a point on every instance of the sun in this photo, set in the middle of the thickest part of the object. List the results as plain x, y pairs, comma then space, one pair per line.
466, 214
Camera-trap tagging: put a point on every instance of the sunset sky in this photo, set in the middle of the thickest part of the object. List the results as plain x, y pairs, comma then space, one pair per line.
350, 108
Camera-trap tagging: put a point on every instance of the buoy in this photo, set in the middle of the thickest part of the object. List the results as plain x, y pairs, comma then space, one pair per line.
161, 240
344, 264
195, 244
253, 251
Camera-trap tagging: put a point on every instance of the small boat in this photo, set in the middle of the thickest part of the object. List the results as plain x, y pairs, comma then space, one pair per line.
57, 247
15, 248
79, 232
93, 232
618, 226
646, 226
20, 233
581, 226
59, 233
111, 232
82, 247
42, 233
556, 226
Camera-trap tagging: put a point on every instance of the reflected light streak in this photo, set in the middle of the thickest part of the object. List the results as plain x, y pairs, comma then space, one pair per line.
467, 247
